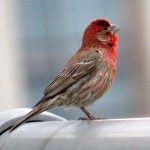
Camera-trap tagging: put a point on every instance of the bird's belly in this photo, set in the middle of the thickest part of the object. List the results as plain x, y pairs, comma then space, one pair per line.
101, 84
87, 90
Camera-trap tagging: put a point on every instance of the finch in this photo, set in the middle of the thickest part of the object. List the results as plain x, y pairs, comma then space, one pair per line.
87, 75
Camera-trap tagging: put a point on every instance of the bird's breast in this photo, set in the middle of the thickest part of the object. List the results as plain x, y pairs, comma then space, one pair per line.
103, 80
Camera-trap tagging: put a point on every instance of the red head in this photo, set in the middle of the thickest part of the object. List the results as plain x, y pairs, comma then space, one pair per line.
102, 32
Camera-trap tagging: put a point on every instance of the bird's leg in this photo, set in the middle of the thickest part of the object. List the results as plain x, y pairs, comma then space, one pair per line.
90, 117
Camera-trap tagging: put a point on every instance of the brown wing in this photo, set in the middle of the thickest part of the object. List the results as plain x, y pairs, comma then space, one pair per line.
71, 74
68, 76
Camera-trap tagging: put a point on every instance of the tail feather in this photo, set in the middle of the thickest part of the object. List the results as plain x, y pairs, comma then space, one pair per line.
32, 113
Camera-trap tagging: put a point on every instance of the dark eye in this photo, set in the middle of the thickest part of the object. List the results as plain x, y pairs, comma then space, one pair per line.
105, 28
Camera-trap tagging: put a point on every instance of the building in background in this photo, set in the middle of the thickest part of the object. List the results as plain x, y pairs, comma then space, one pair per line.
39, 37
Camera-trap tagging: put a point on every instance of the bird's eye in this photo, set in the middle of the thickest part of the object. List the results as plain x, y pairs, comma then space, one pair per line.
105, 28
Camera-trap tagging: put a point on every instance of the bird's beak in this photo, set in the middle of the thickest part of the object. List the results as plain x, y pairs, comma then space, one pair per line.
114, 28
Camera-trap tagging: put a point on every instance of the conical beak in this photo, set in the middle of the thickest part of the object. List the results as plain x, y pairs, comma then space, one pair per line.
114, 28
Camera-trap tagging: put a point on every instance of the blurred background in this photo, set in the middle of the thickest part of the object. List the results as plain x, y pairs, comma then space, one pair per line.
37, 37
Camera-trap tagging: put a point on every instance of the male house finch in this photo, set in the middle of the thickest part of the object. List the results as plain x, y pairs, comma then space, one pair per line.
87, 75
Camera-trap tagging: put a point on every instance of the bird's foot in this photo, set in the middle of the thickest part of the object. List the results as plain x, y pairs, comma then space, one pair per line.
91, 118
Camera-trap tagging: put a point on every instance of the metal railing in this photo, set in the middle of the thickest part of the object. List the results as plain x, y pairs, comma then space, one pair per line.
113, 134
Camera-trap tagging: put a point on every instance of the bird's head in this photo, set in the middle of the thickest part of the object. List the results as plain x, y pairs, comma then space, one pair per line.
101, 31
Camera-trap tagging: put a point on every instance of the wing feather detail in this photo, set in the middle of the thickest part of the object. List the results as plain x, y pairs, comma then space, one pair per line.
71, 74
68, 76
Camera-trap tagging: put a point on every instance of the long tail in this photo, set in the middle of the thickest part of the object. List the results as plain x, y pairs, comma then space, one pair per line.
32, 113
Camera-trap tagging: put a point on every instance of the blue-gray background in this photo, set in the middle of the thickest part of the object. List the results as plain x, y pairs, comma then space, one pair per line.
50, 32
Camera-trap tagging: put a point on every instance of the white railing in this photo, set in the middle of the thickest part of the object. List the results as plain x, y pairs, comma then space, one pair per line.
113, 134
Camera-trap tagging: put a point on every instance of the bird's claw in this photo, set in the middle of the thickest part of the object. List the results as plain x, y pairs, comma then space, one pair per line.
93, 118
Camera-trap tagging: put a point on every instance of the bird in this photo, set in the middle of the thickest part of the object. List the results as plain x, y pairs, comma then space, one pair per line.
87, 76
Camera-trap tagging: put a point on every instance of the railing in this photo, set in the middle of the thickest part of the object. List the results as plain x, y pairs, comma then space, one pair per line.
113, 134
